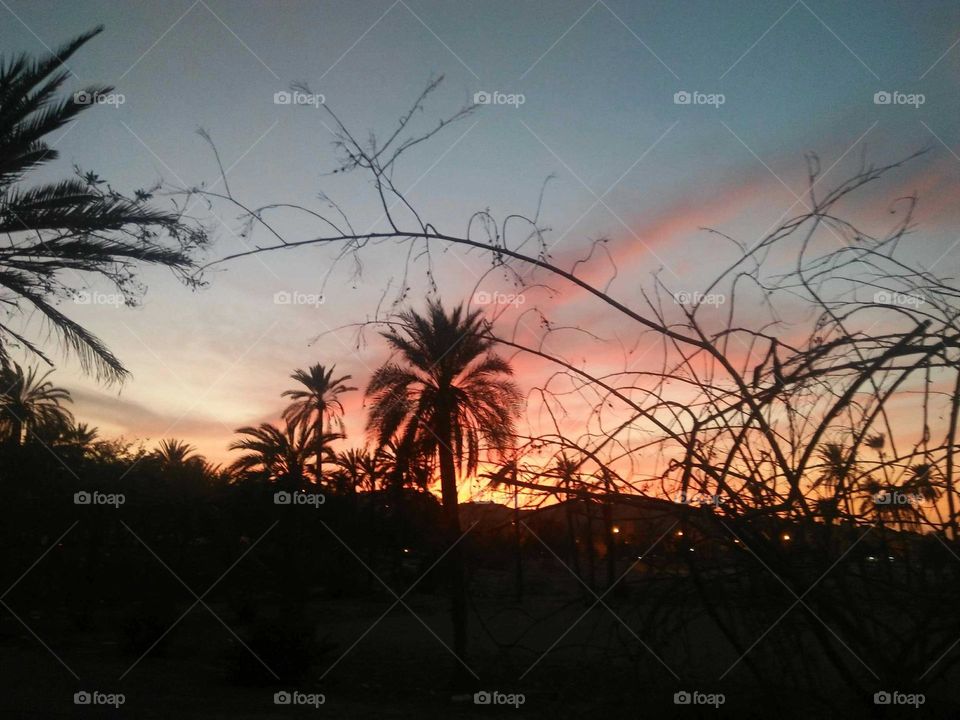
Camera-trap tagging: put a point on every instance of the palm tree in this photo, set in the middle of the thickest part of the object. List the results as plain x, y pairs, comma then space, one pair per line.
838, 465
30, 403
79, 435
359, 470
74, 226
173, 453
183, 470
75, 442
217, 474
921, 482
401, 467
274, 454
449, 394
317, 402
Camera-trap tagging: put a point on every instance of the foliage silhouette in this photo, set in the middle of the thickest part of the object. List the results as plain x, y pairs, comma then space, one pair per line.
316, 404
30, 405
449, 394
76, 228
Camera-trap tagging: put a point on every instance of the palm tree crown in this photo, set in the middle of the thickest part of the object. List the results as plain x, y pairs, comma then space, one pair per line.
451, 390
81, 225
174, 453
275, 454
30, 403
79, 434
357, 470
317, 402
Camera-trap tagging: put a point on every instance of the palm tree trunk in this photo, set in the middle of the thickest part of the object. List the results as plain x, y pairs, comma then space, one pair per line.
16, 431
951, 443
319, 441
518, 570
448, 491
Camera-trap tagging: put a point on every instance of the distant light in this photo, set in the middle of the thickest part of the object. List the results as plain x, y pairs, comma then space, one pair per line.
871, 558
786, 536
890, 558
406, 550
615, 530
690, 549
679, 533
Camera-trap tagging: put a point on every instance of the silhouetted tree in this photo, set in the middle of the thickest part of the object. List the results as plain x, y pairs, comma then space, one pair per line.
401, 466
316, 403
30, 403
449, 394
81, 225
356, 471
172, 453
274, 454
182, 468
79, 434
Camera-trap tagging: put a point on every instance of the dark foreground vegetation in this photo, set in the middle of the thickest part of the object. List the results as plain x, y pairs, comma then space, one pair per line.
190, 589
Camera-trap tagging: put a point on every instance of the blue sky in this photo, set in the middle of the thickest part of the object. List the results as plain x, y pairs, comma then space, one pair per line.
598, 82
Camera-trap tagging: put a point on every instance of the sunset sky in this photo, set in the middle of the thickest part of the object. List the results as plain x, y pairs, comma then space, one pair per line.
598, 82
